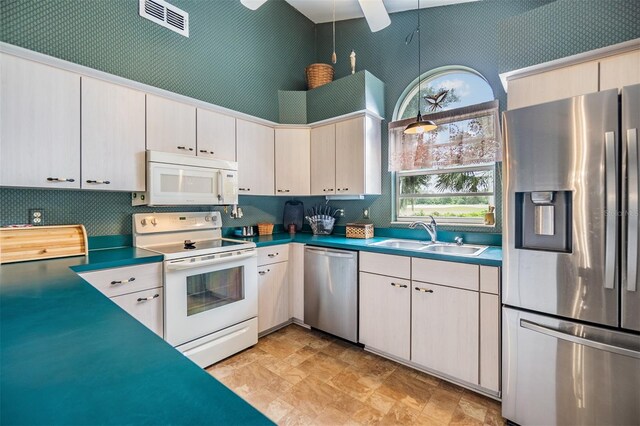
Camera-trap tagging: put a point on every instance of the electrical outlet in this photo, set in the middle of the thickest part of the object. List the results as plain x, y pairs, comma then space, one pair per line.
365, 213
36, 217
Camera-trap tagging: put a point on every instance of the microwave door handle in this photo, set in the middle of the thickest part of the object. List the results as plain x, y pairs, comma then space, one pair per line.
632, 209
220, 186
190, 265
611, 217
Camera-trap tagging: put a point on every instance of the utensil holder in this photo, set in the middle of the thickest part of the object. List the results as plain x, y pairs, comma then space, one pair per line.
321, 225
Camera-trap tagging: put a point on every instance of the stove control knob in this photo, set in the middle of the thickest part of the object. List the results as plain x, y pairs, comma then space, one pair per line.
207, 218
145, 221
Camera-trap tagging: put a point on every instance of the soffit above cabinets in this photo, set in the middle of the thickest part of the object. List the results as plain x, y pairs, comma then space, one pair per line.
320, 11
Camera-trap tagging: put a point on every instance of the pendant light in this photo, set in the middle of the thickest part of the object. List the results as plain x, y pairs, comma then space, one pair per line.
420, 125
334, 58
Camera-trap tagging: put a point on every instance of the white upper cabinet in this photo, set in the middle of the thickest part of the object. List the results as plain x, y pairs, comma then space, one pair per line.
323, 160
620, 70
171, 126
40, 136
358, 167
216, 135
255, 148
292, 160
113, 137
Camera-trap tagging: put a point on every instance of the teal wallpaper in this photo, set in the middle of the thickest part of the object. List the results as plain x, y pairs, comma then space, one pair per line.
564, 28
234, 57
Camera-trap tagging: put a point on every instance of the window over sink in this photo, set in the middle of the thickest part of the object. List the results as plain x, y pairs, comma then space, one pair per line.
450, 172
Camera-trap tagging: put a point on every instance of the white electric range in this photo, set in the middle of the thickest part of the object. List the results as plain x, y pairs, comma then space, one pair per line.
210, 283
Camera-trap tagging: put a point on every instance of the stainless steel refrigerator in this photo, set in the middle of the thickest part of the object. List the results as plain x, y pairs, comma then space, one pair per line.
571, 298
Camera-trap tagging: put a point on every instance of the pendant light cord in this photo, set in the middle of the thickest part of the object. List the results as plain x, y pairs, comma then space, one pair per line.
419, 62
334, 26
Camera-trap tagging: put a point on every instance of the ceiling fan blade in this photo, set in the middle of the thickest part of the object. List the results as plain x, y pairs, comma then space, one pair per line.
253, 4
375, 13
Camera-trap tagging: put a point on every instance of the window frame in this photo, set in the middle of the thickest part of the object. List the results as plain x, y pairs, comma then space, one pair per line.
451, 220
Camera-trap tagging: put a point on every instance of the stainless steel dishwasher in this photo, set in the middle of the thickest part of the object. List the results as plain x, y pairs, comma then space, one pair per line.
331, 291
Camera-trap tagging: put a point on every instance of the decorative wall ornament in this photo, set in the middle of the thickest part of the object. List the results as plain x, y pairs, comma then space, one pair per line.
352, 59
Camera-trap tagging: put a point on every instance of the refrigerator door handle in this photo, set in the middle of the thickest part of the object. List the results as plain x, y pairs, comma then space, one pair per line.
632, 209
562, 335
611, 213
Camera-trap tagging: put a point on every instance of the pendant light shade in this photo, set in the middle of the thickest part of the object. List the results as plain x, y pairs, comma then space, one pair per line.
420, 125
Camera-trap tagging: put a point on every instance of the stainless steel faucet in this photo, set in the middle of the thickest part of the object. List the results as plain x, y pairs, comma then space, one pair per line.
431, 227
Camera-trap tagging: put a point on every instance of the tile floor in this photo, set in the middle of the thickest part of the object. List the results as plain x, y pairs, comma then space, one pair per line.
300, 377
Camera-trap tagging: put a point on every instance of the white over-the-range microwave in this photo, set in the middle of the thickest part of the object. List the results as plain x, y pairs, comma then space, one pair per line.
175, 179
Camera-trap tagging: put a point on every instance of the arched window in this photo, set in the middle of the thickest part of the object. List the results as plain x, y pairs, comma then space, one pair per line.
463, 87
448, 173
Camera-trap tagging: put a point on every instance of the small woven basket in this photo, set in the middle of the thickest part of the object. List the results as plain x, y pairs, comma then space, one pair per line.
265, 228
360, 230
318, 74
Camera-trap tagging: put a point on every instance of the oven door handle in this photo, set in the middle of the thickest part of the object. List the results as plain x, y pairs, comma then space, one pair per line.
182, 264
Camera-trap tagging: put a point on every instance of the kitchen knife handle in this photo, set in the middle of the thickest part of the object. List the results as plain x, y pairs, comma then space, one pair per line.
611, 212
632, 209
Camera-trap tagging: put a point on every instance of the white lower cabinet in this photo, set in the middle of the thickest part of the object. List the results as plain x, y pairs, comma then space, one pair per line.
445, 330
296, 281
136, 289
490, 341
273, 292
385, 321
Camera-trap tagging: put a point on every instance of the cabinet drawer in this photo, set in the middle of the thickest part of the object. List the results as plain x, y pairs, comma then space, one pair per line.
273, 254
385, 264
119, 281
489, 279
460, 275
145, 306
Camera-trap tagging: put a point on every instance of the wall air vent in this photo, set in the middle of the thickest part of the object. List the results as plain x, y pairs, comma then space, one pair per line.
165, 14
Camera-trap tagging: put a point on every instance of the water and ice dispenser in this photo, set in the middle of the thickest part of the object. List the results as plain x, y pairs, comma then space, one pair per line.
543, 220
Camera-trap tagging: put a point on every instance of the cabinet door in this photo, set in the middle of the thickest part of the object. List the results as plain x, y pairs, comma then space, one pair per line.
171, 126
385, 322
490, 341
553, 85
292, 158
145, 306
296, 281
323, 160
445, 329
255, 158
620, 70
40, 137
216, 135
113, 137
273, 295
350, 156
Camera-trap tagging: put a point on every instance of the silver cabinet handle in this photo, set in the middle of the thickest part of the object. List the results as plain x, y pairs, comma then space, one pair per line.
264, 272
563, 335
123, 281
55, 179
204, 151
273, 254
184, 148
632, 209
244, 189
399, 285
146, 299
424, 290
104, 182
283, 190
611, 213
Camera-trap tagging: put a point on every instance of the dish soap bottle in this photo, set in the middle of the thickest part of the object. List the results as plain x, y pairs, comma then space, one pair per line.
490, 216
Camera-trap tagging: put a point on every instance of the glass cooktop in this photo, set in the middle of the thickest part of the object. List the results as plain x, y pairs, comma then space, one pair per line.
210, 246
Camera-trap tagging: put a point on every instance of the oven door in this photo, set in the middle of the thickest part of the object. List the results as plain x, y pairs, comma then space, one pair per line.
209, 295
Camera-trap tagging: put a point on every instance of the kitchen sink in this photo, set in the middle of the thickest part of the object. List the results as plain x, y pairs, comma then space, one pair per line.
442, 248
401, 244
463, 250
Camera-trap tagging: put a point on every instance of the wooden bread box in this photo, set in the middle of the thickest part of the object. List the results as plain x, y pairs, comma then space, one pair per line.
359, 230
42, 242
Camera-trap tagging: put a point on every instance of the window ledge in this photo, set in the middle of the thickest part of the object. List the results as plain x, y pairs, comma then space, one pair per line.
450, 224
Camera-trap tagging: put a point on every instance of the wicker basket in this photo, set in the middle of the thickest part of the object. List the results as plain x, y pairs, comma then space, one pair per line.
318, 74
359, 230
265, 228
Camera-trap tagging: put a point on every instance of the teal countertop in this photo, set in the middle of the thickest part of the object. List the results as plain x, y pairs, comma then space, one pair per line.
71, 356
490, 257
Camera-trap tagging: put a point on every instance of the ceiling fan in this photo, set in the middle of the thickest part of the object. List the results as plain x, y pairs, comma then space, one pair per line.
374, 12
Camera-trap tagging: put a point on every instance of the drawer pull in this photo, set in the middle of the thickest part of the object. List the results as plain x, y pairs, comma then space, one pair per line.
185, 148
244, 189
146, 299
106, 182
399, 285
424, 290
264, 272
273, 254
123, 281
55, 179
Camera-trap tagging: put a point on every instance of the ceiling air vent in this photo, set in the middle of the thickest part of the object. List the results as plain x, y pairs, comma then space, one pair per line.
165, 14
